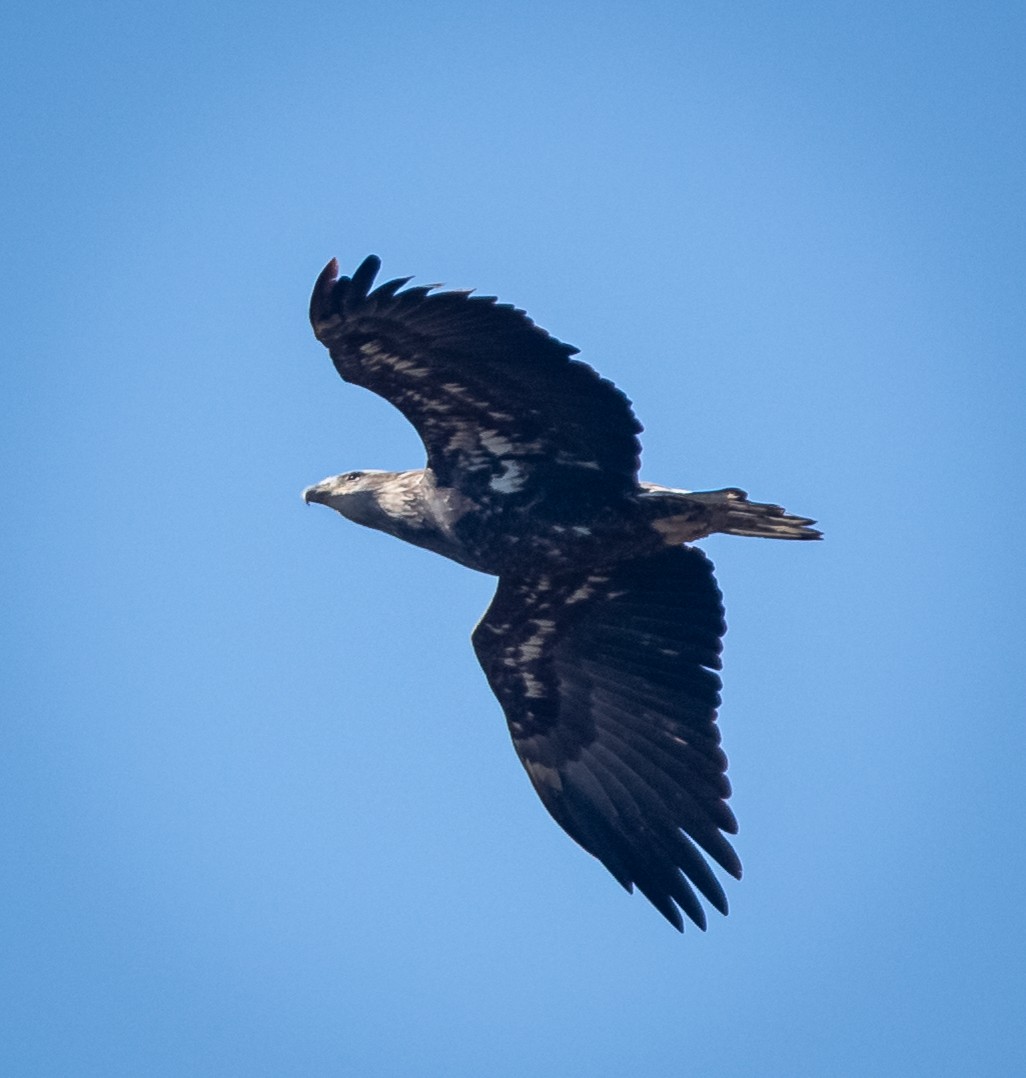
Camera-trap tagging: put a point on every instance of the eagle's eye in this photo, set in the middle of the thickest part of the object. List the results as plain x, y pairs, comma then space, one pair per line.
349, 477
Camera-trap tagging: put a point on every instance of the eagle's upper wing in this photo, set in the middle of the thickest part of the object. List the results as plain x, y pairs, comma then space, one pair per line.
606, 678
502, 409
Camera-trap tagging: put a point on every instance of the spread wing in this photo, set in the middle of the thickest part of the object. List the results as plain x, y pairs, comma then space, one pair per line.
606, 678
504, 412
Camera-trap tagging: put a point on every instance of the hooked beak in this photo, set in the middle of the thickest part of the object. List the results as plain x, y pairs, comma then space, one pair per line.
313, 494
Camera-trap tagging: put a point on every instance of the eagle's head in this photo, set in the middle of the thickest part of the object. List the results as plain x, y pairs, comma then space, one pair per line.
371, 498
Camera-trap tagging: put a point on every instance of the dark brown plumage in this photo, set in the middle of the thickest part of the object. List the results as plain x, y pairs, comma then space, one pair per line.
603, 640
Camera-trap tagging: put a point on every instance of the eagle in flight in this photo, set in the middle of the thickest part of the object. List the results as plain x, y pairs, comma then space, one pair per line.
603, 639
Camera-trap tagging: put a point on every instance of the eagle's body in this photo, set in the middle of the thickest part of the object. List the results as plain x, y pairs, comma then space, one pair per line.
604, 633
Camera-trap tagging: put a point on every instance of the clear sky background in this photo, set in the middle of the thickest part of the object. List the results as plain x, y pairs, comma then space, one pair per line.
259, 811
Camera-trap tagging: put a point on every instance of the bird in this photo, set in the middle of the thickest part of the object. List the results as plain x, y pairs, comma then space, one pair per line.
603, 640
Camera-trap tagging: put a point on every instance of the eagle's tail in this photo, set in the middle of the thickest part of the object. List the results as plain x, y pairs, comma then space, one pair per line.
734, 514
681, 520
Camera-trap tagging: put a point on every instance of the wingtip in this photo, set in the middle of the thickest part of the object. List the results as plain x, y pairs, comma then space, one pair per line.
320, 301
329, 275
365, 273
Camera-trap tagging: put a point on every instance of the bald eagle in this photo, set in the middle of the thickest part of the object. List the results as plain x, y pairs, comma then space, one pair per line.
603, 639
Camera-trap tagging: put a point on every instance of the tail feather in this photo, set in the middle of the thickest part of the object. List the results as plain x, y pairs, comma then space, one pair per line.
736, 515
683, 516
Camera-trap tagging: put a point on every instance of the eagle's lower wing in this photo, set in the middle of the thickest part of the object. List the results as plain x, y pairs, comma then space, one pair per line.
607, 681
504, 412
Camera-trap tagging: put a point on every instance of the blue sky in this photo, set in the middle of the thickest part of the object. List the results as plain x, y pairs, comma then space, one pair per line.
259, 812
